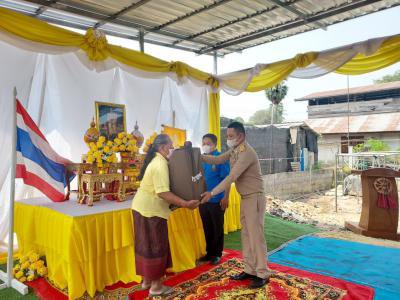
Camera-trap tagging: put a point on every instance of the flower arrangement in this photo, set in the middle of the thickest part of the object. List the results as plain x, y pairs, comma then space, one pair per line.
30, 267
125, 142
101, 152
149, 141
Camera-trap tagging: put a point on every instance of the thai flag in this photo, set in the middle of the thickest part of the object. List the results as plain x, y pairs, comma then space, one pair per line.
37, 163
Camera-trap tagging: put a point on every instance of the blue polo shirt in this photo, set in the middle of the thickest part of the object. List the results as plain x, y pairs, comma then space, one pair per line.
214, 174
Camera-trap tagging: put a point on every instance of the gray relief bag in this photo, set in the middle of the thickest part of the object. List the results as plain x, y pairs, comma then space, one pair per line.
186, 175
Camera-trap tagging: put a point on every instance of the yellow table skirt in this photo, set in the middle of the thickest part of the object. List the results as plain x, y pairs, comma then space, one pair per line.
87, 253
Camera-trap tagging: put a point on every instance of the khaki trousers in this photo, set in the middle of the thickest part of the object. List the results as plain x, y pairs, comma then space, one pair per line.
252, 214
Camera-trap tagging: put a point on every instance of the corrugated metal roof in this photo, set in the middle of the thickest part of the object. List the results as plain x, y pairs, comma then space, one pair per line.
201, 26
387, 122
352, 91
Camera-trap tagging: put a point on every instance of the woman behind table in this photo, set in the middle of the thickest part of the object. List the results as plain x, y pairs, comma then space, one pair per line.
150, 213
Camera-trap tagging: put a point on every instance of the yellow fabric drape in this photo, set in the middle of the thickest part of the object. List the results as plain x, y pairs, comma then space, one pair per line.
95, 45
87, 253
214, 117
178, 136
386, 55
232, 213
276, 72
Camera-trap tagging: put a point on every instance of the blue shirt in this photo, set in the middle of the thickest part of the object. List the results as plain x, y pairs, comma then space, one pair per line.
214, 174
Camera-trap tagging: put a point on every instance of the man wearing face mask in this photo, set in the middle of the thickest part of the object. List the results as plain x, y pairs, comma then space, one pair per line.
212, 212
246, 173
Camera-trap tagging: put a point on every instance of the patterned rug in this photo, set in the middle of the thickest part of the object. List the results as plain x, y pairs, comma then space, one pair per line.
212, 282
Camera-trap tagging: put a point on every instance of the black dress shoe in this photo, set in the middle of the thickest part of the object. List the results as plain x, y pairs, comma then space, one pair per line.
215, 260
242, 276
205, 258
258, 282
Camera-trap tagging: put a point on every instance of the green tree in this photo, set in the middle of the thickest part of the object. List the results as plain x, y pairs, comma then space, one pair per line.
389, 78
240, 119
372, 145
276, 94
263, 116
226, 121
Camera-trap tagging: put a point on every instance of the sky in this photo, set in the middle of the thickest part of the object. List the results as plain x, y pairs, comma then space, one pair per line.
374, 25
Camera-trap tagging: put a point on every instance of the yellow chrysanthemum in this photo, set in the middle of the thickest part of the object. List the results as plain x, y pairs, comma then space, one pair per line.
17, 267
102, 139
31, 277
19, 274
120, 135
22, 279
124, 140
90, 159
118, 141
122, 147
39, 264
114, 159
99, 144
23, 259
34, 257
106, 149
42, 271
25, 265
115, 148
130, 136
109, 159
109, 143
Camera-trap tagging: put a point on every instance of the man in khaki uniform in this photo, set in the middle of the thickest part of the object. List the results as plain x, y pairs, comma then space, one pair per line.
246, 173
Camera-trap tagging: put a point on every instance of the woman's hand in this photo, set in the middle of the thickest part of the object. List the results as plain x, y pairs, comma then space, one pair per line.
192, 204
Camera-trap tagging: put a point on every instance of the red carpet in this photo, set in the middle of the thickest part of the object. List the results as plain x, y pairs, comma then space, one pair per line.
212, 282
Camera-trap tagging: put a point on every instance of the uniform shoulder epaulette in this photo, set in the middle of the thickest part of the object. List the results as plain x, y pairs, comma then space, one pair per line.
242, 148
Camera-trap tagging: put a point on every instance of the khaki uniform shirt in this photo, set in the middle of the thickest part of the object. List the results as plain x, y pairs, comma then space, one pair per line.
245, 170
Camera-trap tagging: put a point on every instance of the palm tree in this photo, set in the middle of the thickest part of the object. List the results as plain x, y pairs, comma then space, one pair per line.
276, 94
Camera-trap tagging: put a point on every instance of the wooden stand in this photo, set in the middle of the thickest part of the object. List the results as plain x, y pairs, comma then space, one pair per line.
375, 221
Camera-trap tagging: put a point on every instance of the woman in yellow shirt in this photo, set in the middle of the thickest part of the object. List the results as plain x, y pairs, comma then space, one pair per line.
150, 213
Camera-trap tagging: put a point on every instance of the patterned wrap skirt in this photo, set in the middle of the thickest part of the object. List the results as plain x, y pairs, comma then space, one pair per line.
152, 252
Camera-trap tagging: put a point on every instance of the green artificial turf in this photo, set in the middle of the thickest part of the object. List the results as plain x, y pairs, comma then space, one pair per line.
277, 232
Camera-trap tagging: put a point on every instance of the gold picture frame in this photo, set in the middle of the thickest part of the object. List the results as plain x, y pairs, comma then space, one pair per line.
110, 119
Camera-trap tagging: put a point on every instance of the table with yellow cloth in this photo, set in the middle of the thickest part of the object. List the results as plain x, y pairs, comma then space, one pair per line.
89, 248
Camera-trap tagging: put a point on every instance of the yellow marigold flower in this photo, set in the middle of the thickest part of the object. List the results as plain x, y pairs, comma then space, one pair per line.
118, 141
102, 139
39, 264
90, 159
115, 148
25, 265
99, 144
109, 143
19, 274
17, 267
130, 136
34, 257
122, 147
114, 159
109, 159
22, 279
23, 259
42, 271
106, 149
31, 277
120, 135
124, 140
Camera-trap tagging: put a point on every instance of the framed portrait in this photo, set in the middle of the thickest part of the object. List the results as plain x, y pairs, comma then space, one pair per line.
110, 119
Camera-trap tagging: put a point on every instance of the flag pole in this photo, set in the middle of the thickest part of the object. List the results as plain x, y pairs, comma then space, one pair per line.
10, 260
7, 278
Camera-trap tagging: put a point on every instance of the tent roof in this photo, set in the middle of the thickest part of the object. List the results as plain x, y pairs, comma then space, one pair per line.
200, 26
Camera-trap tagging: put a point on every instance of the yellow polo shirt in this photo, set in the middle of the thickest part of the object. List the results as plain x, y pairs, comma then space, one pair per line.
155, 181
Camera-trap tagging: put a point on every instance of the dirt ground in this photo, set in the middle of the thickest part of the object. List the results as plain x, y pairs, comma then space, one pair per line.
318, 209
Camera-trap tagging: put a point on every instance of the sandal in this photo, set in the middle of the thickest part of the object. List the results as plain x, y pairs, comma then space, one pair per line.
166, 290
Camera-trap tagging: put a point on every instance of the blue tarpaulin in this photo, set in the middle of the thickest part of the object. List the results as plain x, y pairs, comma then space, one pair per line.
374, 266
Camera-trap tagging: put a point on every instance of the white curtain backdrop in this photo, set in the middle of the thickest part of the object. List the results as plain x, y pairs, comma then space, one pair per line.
59, 92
